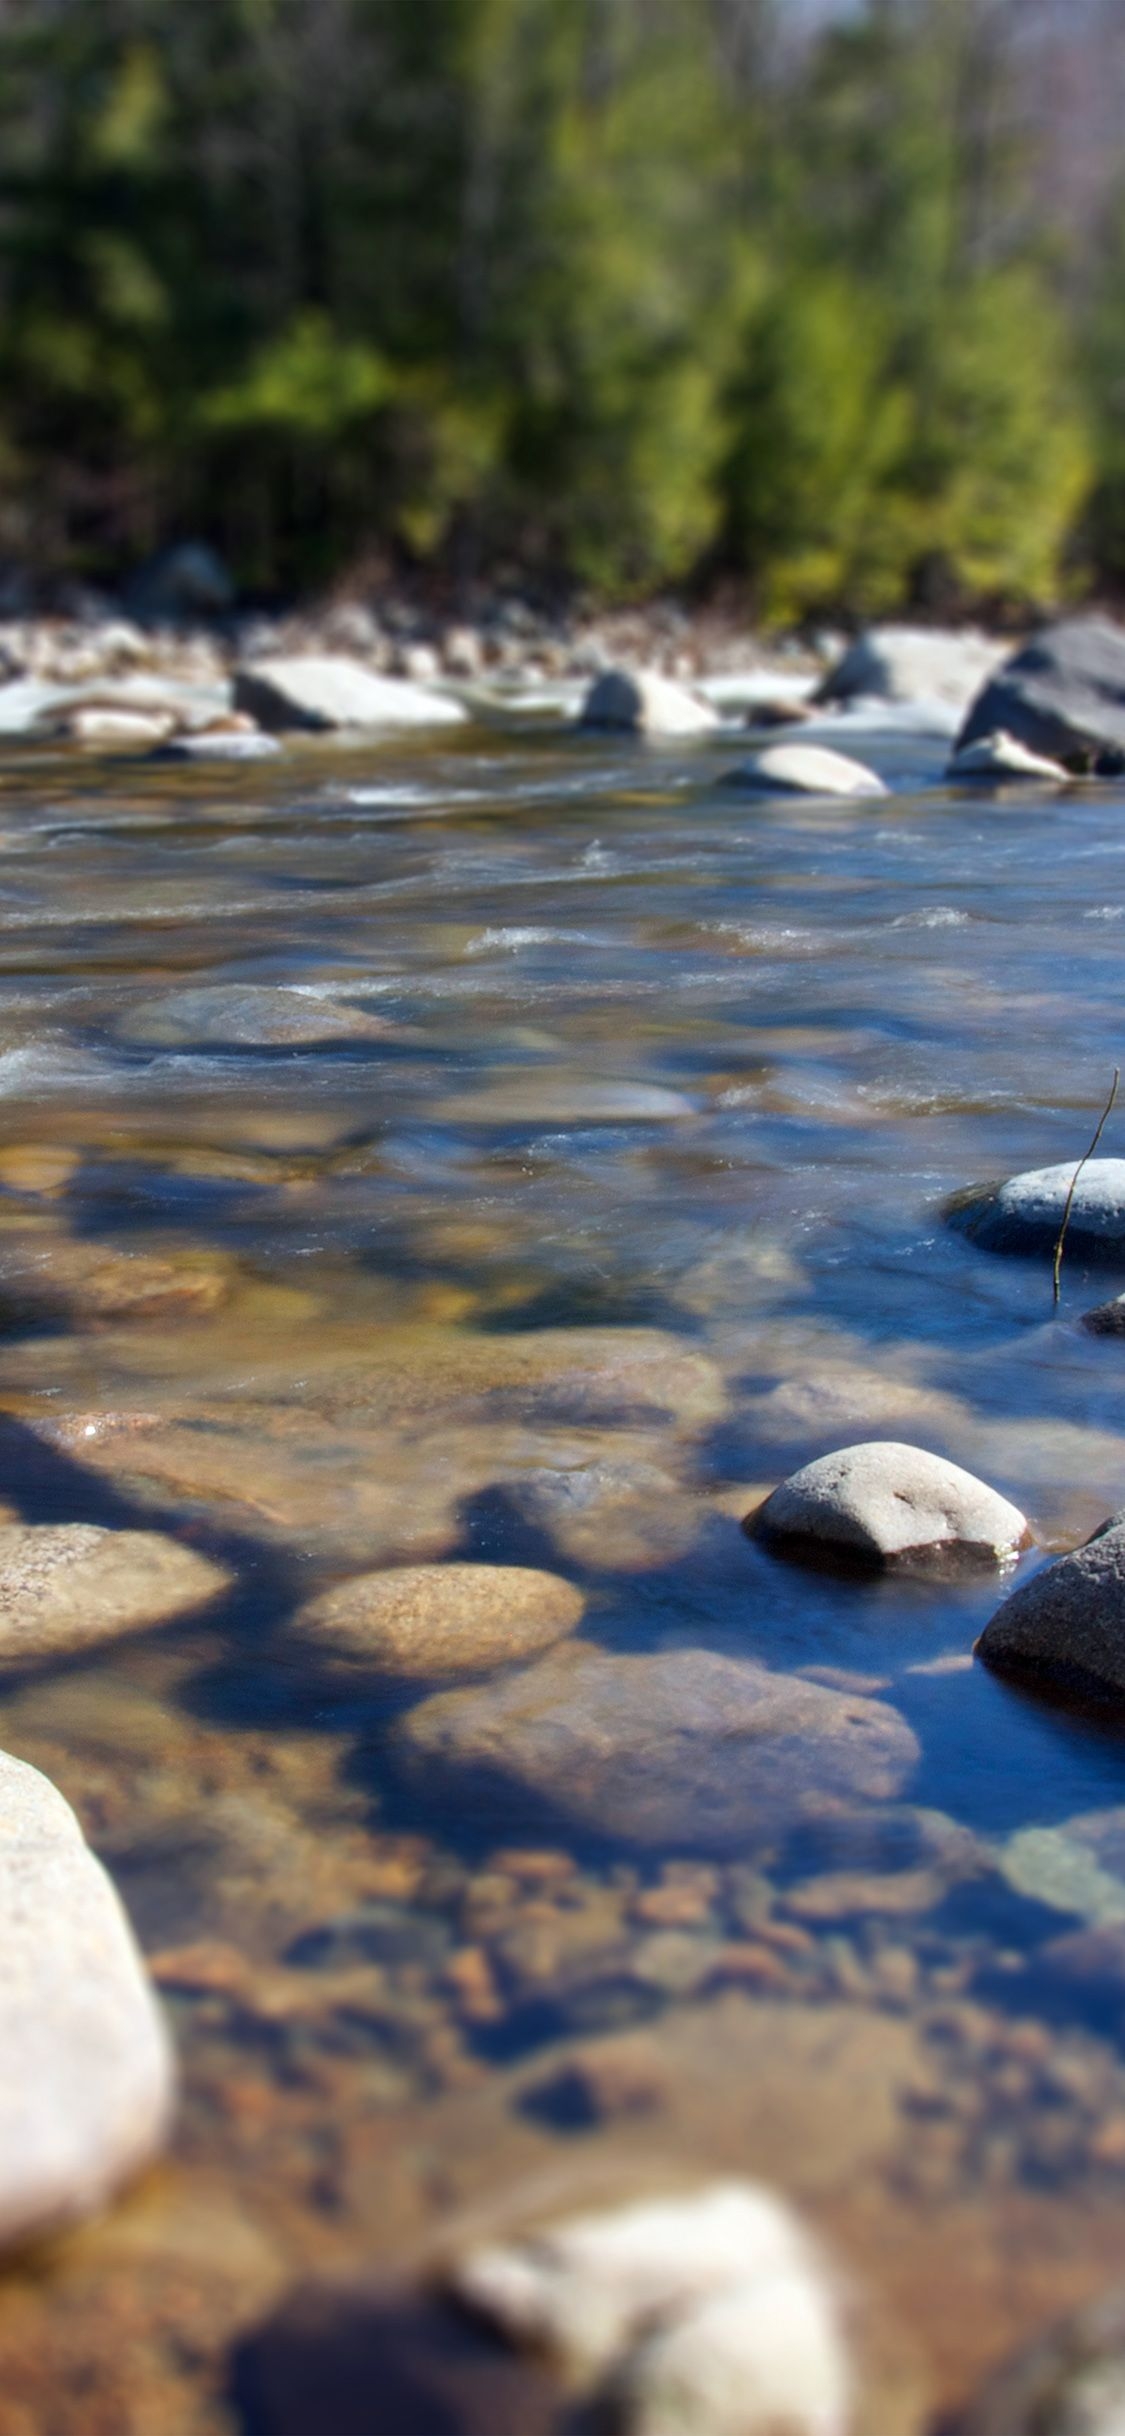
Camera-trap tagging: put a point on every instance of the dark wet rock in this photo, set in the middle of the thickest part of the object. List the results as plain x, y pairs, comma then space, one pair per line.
246, 1016
317, 692
1070, 2382
806, 769
431, 1620
708, 2310
640, 703
1025, 1213
85, 2071
348, 2359
888, 1503
1062, 695
912, 664
70, 1587
1002, 756
1107, 1319
1064, 1631
682, 1747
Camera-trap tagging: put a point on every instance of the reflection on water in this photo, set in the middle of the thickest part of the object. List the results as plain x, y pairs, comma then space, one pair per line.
628, 1203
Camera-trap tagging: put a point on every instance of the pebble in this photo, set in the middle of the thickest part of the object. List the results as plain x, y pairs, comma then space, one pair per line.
890, 1503
709, 2312
806, 769
682, 1747
85, 2070
433, 1620
70, 1587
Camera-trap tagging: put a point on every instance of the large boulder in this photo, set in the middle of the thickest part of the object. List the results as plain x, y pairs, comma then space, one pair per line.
438, 1619
1064, 1631
919, 664
85, 2069
887, 1503
1026, 1212
640, 703
1062, 695
681, 1748
317, 692
806, 769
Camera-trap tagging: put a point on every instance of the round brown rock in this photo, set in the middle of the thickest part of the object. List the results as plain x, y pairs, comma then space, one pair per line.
887, 1503
679, 1747
433, 1620
68, 1587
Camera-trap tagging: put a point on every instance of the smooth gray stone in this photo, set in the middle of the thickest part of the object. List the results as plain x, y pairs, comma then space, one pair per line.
317, 691
1001, 756
682, 1748
1062, 695
806, 769
220, 744
1025, 1213
640, 703
912, 664
885, 1501
1065, 1630
85, 2066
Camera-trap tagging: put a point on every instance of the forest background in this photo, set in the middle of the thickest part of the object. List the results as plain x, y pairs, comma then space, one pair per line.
825, 305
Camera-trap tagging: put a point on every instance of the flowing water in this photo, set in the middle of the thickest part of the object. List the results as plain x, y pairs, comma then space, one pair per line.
630, 1203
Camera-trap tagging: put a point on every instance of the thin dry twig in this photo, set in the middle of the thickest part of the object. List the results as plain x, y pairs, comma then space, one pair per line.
1098, 1132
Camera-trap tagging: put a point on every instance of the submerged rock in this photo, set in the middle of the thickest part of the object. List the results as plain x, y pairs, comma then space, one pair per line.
93, 1285
682, 1747
69, 1587
439, 1619
1062, 695
85, 2070
221, 744
1070, 2382
1065, 1630
1002, 756
1025, 1213
912, 664
246, 1016
549, 1099
890, 1503
318, 692
643, 704
709, 2312
807, 769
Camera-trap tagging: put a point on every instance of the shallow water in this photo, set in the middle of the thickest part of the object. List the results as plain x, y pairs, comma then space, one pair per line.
633, 1206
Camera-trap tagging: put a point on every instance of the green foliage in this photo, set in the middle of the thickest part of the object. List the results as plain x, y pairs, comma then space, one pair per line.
618, 289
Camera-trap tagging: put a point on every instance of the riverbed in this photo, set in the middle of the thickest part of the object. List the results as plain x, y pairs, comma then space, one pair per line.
558, 1138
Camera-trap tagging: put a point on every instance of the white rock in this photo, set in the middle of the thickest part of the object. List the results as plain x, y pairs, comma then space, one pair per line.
806, 769
1026, 1212
884, 1500
706, 2315
85, 2068
765, 2354
644, 704
317, 691
911, 664
105, 724
1002, 756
